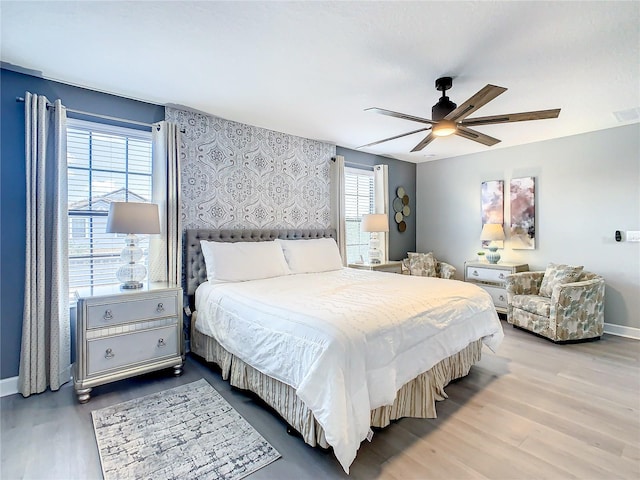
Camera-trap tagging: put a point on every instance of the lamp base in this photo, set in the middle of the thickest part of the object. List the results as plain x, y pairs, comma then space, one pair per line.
131, 285
493, 256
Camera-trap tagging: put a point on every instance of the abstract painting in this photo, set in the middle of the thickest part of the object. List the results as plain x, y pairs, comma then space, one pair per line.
523, 213
492, 198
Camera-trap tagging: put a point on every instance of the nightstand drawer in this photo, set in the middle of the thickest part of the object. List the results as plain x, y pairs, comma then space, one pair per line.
127, 311
499, 295
120, 350
481, 274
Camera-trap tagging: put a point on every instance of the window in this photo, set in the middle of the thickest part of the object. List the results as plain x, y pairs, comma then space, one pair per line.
105, 164
359, 198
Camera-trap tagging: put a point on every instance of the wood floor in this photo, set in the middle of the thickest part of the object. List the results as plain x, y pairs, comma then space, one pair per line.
533, 410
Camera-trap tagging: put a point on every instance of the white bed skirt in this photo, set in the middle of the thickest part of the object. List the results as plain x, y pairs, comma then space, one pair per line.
415, 399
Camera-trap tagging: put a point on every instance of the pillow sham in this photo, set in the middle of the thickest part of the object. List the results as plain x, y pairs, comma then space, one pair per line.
311, 256
423, 264
558, 274
242, 261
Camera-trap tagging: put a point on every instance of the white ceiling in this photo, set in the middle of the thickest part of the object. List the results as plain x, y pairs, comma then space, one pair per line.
311, 68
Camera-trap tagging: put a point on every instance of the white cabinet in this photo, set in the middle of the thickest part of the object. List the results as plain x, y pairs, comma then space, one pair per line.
491, 277
122, 333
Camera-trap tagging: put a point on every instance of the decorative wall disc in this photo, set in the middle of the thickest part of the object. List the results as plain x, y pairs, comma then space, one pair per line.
401, 207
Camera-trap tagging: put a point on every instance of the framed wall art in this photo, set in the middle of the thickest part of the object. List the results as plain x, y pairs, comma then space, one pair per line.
492, 201
523, 213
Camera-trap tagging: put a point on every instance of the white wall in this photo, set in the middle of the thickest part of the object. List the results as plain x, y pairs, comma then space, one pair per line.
587, 187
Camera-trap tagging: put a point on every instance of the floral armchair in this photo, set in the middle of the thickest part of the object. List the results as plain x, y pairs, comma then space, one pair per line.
563, 309
426, 265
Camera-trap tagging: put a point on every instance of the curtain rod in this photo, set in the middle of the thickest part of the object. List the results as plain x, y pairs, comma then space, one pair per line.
97, 115
333, 159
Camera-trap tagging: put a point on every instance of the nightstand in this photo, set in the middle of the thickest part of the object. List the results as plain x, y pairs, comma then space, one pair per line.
390, 266
491, 277
122, 333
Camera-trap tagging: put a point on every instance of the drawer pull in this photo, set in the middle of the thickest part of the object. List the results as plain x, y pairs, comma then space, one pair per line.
161, 343
501, 297
501, 276
160, 308
109, 353
108, 315
475, 273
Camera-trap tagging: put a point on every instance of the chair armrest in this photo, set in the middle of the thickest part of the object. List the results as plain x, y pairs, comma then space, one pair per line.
446, 270
523, 283
577, 308
404, 268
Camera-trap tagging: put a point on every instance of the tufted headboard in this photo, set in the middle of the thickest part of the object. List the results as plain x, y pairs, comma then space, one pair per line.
195, 270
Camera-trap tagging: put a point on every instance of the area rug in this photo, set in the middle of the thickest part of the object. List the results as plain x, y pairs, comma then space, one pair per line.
185, 432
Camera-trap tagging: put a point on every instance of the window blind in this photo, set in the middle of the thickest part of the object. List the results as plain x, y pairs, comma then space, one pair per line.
359, 200
104, 164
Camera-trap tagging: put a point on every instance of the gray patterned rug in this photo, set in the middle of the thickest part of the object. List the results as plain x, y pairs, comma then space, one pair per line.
185, 432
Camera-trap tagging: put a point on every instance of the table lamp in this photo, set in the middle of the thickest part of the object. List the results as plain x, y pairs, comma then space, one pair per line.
132, 218
375, 223
492, 232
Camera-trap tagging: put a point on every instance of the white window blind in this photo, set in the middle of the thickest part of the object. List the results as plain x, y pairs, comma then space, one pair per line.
105, 164
359, 200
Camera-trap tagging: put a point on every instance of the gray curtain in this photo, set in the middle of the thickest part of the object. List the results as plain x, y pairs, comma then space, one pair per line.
45, 355
165, 250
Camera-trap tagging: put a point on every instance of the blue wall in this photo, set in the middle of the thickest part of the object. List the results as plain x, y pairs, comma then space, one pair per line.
401, 174
13, 187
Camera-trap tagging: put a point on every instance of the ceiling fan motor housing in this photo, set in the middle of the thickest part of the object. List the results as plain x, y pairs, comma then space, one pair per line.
443, 108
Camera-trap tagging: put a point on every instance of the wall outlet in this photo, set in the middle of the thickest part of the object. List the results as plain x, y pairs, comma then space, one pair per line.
633, 236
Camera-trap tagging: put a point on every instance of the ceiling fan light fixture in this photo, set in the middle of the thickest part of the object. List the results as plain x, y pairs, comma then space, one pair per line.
444, 128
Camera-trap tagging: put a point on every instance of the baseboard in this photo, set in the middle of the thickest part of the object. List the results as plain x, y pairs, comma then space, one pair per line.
622, 331
8, 386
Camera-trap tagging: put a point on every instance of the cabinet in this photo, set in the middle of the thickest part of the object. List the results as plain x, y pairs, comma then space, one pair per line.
391, 266
122, 333
491, 277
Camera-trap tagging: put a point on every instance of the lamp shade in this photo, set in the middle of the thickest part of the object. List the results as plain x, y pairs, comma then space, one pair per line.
492, 231
375, 222
133, 217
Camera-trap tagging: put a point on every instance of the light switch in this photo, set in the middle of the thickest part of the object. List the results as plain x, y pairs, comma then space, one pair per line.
633, 236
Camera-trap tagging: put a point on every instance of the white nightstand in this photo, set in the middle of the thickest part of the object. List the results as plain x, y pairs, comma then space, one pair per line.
122, 333
391, 266
491, 277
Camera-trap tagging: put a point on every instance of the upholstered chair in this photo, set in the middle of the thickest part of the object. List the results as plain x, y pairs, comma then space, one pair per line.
562, 310
426, 265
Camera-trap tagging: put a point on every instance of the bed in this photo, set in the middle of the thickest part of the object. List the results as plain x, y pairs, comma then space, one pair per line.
340, 351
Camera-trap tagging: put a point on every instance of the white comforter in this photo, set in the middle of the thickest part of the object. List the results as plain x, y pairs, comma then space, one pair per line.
346, 340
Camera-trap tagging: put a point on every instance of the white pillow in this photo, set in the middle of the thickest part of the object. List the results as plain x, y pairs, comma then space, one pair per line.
241, 261
207, 252
311, 256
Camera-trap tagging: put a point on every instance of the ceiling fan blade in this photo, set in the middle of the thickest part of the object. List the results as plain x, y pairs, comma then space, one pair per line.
404, 116
476, 136
425, 141
484, 96
393, 138
512, 117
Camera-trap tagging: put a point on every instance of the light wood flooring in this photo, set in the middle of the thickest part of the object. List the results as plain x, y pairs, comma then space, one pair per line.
533, 410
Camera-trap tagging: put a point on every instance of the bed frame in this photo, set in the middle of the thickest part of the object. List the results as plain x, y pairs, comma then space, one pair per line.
415, 399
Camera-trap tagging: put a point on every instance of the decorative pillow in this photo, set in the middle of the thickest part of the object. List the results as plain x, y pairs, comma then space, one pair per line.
423, 264
242, 261
311, 256
558, 274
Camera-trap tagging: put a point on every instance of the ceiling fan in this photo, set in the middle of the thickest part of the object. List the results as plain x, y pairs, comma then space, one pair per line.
448, 118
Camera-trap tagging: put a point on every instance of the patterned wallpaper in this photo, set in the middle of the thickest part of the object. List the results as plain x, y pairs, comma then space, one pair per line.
239, 176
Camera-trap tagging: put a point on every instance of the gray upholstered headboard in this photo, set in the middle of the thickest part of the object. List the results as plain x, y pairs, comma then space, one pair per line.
195, 270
